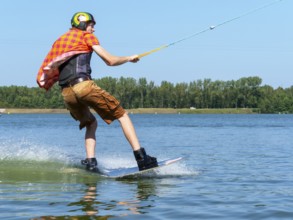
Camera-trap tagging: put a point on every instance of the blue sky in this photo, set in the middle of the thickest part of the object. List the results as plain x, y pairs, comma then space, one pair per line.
259, 44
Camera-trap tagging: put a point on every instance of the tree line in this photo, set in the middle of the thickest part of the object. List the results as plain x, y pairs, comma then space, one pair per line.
246, 92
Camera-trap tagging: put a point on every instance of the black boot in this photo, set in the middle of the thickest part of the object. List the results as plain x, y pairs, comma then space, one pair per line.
144, 161
91, 164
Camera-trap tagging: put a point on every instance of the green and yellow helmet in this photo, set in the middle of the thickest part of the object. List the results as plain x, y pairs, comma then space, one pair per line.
81, 19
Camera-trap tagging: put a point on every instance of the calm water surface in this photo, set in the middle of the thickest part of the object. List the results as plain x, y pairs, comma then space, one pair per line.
235, 167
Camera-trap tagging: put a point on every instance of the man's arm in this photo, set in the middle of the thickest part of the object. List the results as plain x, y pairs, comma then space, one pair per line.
112, 60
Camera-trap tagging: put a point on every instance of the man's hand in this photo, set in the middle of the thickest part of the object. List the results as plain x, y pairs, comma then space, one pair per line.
134, 58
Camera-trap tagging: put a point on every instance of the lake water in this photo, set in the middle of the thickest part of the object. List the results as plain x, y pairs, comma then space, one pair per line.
235, 167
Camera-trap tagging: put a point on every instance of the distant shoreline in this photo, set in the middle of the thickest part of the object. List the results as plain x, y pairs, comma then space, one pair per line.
140, 111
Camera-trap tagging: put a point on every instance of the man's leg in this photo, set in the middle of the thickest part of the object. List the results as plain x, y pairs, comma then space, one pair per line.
79, 110
129, 131
90, 144
90, 139
144, 161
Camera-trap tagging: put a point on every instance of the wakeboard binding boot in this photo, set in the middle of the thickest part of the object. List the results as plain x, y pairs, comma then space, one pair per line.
91, 164
143, 160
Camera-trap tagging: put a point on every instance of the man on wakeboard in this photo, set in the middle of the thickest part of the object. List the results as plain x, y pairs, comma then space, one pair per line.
68, 62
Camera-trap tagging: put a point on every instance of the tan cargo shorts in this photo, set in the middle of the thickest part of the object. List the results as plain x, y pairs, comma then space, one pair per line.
85, 95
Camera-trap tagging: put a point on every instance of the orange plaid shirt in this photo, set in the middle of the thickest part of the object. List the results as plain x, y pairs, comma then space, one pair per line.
73, 42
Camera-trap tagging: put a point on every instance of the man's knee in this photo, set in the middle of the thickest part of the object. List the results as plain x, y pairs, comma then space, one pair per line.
92, 125
91, 130
88, 123
125, 115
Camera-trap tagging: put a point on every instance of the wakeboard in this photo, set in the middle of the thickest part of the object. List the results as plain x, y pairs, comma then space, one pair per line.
134, 172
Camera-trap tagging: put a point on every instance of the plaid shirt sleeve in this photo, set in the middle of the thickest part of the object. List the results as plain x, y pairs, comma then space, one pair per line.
91, 39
